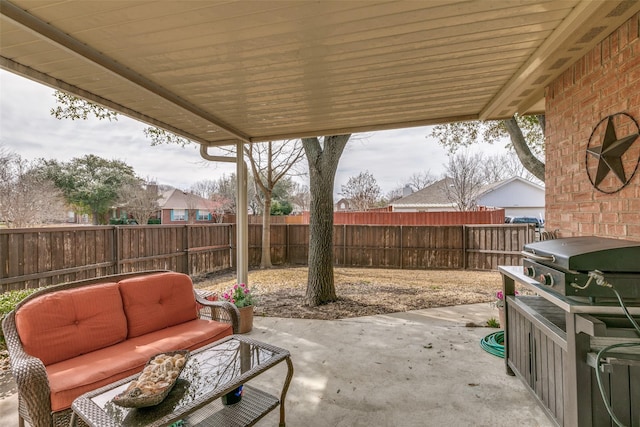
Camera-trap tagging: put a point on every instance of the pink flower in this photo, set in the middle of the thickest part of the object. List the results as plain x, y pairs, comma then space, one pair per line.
500, 295
246, 291
235, 287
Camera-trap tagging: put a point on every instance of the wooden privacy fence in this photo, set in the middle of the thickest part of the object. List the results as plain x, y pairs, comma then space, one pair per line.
384, 217
476, 247
31, 258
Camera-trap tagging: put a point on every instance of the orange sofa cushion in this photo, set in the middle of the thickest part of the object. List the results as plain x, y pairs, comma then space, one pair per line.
72, 378
157, 301
65, 324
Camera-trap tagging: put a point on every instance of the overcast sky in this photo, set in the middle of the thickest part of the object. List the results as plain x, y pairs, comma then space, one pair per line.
28, 129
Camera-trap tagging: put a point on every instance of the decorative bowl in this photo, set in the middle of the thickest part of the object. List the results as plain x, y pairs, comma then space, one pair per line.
155, 381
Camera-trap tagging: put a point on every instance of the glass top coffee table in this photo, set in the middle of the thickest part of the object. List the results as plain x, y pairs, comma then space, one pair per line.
210, 373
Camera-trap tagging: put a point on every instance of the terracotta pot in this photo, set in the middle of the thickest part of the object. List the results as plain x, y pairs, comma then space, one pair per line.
246, 319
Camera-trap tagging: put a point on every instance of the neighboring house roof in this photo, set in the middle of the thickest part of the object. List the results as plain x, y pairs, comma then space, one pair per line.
434, 195
178, 199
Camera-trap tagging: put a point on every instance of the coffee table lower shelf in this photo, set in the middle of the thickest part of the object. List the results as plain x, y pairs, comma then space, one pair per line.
254, 405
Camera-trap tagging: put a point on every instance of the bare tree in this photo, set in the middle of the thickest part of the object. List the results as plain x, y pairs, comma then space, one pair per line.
362, 191
270, 162
219, 205
139, 199
224, 188
27, 197
301, 196
322, 157
393, 195
464, 180
205, 188
504, 166
227, 188
420, 180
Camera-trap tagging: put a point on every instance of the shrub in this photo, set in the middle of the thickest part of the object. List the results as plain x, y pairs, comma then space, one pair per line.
281, 207
118, 221
8, 302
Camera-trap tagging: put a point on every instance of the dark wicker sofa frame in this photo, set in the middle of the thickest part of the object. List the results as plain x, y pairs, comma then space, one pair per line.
34, 404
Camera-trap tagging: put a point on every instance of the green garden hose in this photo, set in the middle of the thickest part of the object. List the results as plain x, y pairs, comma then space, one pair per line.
494, 343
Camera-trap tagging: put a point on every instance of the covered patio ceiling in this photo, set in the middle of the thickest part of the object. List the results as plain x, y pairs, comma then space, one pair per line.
221, 71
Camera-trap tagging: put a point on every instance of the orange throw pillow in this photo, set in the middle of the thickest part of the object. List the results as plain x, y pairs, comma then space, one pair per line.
157, 301
66, 324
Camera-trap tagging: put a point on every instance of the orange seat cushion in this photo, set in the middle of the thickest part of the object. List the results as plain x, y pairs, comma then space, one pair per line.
157, 301
71, 378
65, 324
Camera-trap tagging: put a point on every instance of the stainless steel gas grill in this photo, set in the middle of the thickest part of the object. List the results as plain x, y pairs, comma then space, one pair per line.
568, 337
582, 267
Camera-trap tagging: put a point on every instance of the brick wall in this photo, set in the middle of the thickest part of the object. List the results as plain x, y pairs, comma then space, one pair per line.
604, 82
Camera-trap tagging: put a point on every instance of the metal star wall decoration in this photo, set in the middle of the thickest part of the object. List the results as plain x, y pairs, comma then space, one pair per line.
610, 154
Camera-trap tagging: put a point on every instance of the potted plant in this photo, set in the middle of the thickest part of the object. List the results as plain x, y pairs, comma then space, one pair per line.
241, 296
499, 304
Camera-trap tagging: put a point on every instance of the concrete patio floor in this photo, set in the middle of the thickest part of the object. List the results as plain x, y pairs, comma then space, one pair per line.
419, 368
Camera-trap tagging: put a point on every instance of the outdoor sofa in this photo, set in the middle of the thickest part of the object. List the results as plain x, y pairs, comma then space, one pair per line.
69, 339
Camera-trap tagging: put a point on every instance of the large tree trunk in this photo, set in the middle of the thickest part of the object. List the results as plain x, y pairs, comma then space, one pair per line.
265, 259
323, 163
528, 160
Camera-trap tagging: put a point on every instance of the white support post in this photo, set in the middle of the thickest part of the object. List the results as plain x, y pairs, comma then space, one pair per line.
242, 217
242, 206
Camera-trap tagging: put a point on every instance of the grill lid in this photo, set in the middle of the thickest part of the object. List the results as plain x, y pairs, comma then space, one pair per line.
588, 253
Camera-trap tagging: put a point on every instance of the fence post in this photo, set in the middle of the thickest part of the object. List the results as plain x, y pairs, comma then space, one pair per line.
286, 244
401, 251
344, 244
185, 241
464, 247
117, 255
231, 248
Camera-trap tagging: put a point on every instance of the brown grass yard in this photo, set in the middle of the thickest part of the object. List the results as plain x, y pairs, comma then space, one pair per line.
361, 292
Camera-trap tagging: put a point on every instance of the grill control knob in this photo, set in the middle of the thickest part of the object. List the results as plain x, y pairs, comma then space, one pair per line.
530, 271
546, 279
